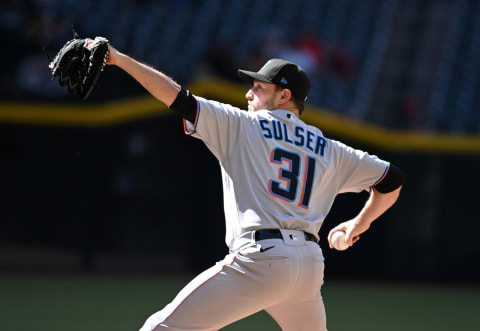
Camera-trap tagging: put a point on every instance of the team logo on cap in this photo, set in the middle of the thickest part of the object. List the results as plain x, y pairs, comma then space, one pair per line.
284, 81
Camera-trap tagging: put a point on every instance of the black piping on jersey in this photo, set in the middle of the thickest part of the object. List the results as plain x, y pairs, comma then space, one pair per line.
186, 106
391, 179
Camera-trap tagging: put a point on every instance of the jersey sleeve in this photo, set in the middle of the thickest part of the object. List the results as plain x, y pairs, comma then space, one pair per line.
357, 170
218, 125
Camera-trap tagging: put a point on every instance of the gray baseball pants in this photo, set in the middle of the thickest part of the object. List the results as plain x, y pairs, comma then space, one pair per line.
282, 277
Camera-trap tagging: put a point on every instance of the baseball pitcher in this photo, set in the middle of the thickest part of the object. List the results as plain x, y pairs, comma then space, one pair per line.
280, 178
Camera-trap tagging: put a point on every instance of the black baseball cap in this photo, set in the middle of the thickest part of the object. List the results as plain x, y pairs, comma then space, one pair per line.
283, 73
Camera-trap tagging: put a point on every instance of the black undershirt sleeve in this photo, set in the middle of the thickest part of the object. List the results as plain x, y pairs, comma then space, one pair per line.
393, 180
185, 105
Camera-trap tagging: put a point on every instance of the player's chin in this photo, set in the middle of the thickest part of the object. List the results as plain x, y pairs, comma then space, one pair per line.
253, 108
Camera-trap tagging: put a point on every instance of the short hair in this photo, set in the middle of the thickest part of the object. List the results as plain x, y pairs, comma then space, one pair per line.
297, 102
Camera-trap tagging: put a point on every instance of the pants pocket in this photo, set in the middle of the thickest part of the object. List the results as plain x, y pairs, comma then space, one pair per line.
263, 253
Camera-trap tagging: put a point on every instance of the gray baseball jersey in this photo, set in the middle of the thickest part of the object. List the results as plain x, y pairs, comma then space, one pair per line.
280, 173
277, 171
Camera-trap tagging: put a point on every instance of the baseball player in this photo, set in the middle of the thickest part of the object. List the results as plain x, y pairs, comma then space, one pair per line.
280, 178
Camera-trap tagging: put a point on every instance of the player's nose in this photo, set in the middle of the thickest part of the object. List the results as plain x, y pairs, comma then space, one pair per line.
249, 94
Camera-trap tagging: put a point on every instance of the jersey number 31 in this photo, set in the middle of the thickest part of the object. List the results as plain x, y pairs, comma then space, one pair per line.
290, 176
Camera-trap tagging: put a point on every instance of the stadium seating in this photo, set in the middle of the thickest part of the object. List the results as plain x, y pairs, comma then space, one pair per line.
176, 35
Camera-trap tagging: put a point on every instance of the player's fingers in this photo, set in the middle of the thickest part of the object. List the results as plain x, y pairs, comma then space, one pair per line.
112, 55
329, 238
350, 238
330, 244
88, 43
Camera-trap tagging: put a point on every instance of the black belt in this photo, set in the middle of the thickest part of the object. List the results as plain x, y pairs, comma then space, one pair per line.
276, 234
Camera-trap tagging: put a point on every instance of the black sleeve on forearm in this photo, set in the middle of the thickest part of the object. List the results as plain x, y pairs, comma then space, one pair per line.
185, 105
392, 180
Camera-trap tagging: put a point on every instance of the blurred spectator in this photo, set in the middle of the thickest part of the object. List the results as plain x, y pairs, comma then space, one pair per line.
301, 56
341, 63
305, 50
311, 45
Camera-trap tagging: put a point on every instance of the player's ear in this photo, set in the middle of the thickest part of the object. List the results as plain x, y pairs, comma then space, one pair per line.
285, 96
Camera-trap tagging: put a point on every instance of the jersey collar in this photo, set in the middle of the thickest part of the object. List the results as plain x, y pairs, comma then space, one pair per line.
284, 113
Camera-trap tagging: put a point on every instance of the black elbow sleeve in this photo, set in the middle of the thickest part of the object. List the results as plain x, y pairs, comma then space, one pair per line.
185, 105
392, 180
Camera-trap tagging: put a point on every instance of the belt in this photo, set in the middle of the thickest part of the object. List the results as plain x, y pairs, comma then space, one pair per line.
276, 234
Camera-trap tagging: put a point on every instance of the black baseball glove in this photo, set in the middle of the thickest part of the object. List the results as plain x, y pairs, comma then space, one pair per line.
79, 64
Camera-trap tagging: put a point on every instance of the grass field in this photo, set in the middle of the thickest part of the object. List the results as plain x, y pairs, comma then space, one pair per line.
67, 303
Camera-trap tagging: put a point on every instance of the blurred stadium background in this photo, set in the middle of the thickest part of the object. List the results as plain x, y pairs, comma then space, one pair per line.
110, 186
